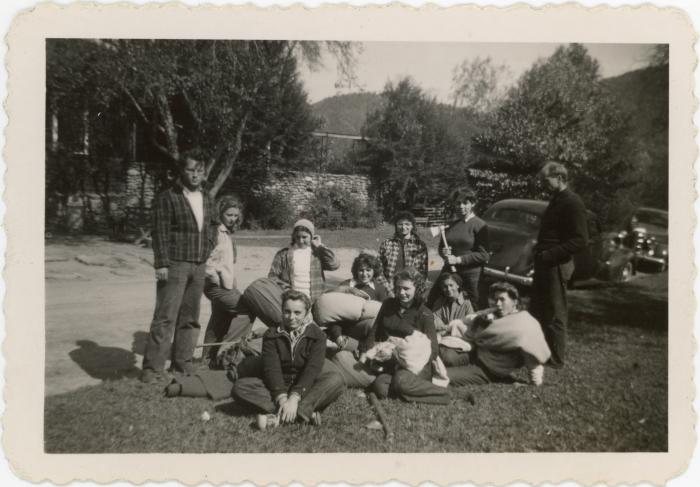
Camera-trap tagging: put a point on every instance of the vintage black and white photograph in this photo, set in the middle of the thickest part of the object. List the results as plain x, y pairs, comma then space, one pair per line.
349, 245
342, 246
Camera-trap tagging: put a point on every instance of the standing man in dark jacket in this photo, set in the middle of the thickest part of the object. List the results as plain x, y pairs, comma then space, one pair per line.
182, 217
563, 233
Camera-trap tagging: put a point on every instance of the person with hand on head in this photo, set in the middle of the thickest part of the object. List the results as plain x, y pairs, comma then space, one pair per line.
301, 266
182, 219
563, 233
229, 317
405, 249
467, 249
295, 385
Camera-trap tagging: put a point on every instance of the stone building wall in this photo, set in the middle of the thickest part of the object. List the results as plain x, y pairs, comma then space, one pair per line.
79, 211
299, 187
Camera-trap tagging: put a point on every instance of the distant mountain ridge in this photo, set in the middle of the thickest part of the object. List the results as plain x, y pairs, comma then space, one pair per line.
345, 114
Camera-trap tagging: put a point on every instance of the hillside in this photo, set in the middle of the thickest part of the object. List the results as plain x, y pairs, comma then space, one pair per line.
345, 114
643, 96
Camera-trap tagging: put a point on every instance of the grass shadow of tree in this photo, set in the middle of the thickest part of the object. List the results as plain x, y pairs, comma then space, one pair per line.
622, 304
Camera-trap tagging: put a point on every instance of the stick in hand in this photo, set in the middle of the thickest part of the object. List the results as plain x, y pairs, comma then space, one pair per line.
434, 231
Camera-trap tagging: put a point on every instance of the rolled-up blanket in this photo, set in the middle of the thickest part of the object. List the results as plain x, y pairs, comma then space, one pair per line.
263, 299
333, 307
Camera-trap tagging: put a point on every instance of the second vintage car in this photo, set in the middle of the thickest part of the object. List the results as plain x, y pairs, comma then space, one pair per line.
513, 228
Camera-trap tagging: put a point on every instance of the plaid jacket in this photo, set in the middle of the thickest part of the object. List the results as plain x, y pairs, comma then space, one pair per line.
415, 254
322, 258
175, 234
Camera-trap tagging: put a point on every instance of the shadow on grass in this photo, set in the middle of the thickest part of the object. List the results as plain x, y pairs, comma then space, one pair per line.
642, 303
104, 363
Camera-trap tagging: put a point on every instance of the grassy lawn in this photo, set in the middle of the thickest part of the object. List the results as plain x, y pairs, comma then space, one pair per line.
612, 396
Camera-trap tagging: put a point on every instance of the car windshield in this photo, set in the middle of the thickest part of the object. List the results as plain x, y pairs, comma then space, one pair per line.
514, 216
652, 218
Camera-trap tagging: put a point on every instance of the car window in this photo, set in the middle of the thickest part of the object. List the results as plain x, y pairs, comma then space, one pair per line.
514, 217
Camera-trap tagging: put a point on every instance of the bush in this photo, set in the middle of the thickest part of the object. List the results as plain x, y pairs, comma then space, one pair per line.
335, 208
268, 210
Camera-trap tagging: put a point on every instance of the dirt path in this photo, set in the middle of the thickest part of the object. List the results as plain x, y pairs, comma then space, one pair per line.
99, 301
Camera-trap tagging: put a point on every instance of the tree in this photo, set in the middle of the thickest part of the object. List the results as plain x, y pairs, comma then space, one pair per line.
218, 100
413, 154
479, 84
559, 110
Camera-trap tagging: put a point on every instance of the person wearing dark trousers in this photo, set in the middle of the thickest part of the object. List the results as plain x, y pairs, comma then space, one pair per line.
467, 245
400, 317
563, 233
504, 342
229, 316
182, 219
293, 386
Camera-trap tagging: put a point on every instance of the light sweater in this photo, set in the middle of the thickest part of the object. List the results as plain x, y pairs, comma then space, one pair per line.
194, 198
302, 270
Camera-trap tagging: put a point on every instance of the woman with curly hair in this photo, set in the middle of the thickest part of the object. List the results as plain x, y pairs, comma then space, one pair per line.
348, 330
400, 317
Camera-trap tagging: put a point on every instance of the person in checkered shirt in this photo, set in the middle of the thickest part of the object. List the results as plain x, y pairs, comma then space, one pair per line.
405, 249
182, 218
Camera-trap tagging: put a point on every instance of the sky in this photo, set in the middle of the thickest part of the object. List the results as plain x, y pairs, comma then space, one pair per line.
431, 63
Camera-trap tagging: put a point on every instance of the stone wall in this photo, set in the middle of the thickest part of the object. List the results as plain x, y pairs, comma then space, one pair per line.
299, 187
84, 212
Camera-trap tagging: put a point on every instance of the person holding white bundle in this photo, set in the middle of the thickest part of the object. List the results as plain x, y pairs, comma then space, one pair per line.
398, 320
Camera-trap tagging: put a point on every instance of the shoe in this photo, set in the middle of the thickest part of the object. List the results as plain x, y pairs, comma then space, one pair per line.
149, 376
173, 390
265, 420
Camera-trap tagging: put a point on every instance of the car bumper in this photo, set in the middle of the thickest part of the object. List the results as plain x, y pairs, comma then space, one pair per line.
495, 274
650, 259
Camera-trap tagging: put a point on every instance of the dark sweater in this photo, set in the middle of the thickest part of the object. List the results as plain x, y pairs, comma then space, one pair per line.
390, 323
563, 231
469, 241
286, 370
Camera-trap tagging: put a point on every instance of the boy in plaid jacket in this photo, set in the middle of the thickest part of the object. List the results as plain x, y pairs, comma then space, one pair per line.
182, 218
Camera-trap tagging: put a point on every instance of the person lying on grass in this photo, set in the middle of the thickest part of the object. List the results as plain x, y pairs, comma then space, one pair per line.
450, 310
504, 342
346, 333
300, 266
400, 317
293, 386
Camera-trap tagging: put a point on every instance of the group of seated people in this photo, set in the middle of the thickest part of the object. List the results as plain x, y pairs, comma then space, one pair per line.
374, 331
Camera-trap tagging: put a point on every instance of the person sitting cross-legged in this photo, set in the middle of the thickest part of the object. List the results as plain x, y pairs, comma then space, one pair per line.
293, 386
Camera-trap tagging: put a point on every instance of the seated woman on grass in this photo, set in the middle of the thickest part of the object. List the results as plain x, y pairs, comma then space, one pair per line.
450, 310
294, 385
347, 333
504, 341
401, 317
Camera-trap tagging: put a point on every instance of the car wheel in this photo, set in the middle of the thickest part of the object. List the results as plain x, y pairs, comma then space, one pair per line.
626, 273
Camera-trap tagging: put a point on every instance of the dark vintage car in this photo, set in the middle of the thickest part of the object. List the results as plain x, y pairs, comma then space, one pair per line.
513, 228
648, 236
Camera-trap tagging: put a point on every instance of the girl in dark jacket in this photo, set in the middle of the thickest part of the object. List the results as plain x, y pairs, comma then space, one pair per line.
400, 317
293, 386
